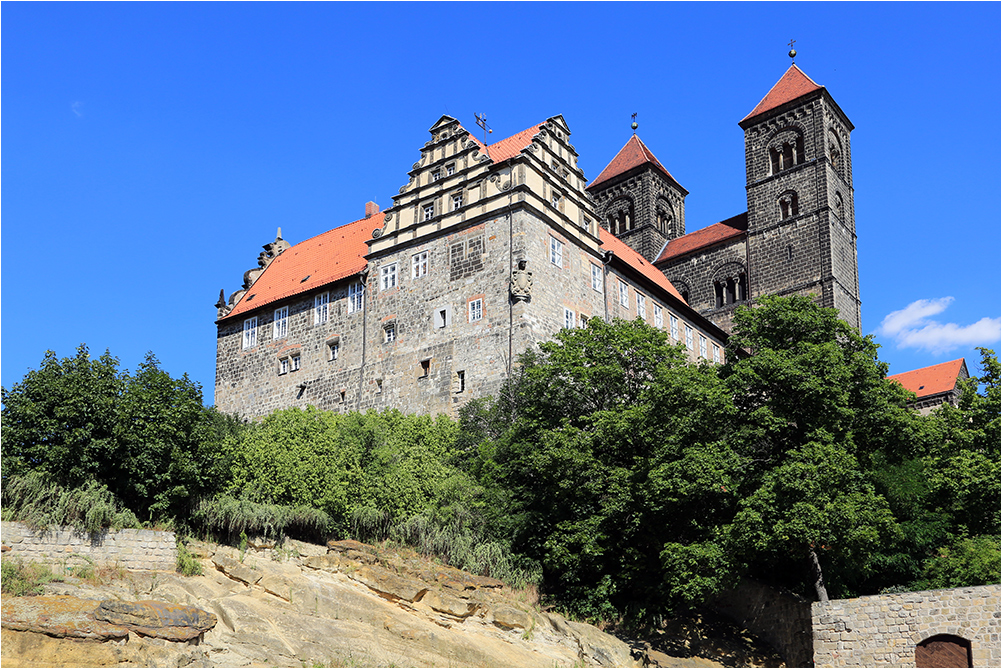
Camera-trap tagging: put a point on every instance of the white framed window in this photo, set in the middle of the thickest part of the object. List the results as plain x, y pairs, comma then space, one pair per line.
583, 321
390, 333
283, 366
555, 199
294, 363
320, 311
250, 332
280, 326
428, 211
689, 338
556, 252
333, 349
419, 264
642, 308
475, 310
356, 292
450, 169
703, 347
624, 295
717, 354
659, 317
555, 165
674, 327
457, 200
388, 276
569, 318
436, 174
596, 278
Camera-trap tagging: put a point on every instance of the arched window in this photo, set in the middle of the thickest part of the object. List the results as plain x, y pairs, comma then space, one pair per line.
786, 151
730, 285
788, 205
944, 651
834, 150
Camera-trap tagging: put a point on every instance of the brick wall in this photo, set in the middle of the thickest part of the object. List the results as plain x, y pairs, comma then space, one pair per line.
62, 546
884, 630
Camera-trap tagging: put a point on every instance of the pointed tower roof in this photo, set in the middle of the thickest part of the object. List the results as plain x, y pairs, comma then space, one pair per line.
791, 86
633, 154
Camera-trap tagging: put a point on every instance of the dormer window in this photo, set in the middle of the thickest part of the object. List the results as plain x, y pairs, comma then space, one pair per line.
436, 174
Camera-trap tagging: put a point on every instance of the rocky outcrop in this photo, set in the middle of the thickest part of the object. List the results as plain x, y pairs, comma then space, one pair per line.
177, 623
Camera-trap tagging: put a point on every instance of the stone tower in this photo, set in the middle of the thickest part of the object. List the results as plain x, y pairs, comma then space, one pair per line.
639, 201
799, 183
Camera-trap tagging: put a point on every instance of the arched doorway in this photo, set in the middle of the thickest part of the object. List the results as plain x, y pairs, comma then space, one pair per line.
944, 651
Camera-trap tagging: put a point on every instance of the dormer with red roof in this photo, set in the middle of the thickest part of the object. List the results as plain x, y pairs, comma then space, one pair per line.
638, 200
934, 385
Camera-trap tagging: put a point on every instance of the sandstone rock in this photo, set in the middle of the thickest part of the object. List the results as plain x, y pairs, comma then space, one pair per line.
598, 648
235, 569
390, 585
509, 617
327, 562
343, 546
277, 585
261, 543
440, 602
152, 618
59, 616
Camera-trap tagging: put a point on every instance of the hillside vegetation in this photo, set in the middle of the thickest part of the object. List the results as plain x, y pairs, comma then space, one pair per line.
624, 482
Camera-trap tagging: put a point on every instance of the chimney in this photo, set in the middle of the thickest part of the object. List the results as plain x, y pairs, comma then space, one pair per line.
372, 209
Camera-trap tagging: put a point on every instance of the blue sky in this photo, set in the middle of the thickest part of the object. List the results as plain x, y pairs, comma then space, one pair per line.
149, 150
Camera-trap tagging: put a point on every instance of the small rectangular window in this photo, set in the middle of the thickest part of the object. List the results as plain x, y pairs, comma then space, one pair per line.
294, 363
596, 278
583, 321
424, 368
283, 366
659, 317
555, 165
460, 383
436, 175
379, 386
419, 264
624, 295
555, 199
440, 317
355, 295
390, 333
717, 354
320, 311
674, 327
556, 252
450, 168
689, 338
333, 350
569, 318
388, 276
342, 394
428, 211
457, 200
642, 309
475, 310
250, 339
280, 326
703, 347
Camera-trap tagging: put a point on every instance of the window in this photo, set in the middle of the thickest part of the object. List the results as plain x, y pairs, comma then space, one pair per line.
555, 199
641, 307
689, 338
419, 264
251, 332
390, 333
703, 347
295, 363
460, 382
717, 354
583, 321
457, 200
428, 211
475, 310
596, 278
441, 317
283, 366
450, 168
624, 295
569, 318
388, 276
332, 349
556, 252
320, 308
379, 386
659, 318
555, 165
342, 394
424, 368
280, 326
674, 327
355, 293
788, 205
436, 174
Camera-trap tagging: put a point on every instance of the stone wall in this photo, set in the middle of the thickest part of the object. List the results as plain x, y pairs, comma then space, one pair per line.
62, 546
884, 630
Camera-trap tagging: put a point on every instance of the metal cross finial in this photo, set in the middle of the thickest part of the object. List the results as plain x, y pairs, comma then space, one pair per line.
633, 122
792, 53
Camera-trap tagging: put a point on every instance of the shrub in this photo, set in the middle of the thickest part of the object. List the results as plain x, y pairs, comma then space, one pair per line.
31, 500
24, 578
187, 564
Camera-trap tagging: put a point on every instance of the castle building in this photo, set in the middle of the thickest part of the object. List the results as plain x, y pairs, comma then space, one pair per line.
488, 250
934, 385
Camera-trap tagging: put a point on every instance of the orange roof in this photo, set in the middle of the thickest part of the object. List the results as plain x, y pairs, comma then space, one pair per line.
511, 146
736, 226
316, 262
792, 85
636, 261
940, 378
633, 154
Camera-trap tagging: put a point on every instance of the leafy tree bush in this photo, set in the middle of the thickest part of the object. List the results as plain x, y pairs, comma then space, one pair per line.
39, 503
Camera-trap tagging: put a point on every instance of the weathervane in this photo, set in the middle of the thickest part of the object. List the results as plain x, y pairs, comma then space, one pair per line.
482, 121
792, 53
633, 122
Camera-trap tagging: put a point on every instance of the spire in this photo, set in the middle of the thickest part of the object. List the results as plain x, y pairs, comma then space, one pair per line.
633, 154
791, 86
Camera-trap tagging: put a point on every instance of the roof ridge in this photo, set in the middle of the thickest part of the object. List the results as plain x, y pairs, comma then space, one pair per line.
786, 89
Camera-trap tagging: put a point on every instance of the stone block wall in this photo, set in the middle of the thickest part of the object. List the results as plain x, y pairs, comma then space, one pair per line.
62, 546
884, 630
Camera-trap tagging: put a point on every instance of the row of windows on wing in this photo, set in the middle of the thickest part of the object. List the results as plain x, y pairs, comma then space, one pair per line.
447, 170
789, 153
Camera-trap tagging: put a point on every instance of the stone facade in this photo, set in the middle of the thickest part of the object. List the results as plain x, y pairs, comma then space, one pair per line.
62, 547
885, 630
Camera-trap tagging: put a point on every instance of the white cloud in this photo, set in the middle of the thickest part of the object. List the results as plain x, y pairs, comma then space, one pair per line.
913, 328
76, 108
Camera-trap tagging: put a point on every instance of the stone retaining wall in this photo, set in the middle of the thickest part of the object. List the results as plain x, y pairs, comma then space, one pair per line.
62, 546
884, 630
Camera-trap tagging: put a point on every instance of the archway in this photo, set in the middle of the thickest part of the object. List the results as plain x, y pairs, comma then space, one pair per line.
944, 651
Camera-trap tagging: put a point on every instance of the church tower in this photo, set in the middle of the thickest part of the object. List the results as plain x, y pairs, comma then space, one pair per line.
639, 201
799, 184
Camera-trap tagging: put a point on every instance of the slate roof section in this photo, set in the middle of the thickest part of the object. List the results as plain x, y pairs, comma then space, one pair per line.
636, 261
735, 227
791, 86
633, 154
311, 264
932, 380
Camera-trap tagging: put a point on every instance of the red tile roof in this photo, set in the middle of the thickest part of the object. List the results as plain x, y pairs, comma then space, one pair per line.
321, 260
932, 380
636, 261
793, 84
511, 146
734, 227
633, 154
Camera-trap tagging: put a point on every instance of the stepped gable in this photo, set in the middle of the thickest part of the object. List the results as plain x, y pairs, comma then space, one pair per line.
940, 378
321, 260
633, 154
791, 86
729, 229
636, 261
